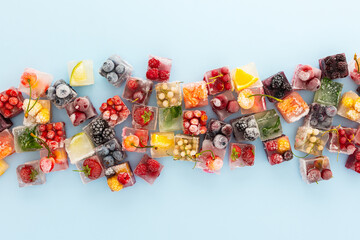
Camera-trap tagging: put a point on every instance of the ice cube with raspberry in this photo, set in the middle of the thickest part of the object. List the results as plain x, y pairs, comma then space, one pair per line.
144, 117
334, 66
306, 77
241, 155
90, 169
224, 105
61, 94
114, 111
218, 80
194, 122
80, 110
278, 150
120, 176
315, 169
148, 169
277, 86
110, 153
115, 70
320, 116
134, 140
99, 131
353, 161
245, 128
138, 90
29, 174
159, 69
35, 82
342, 140
11, 103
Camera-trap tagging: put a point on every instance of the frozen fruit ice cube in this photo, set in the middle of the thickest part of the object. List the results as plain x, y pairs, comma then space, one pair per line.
218, 80
320, 116
114, 111
99, 131
209, 162
79, 147
334, 66
148, 169
329, 92
315, 169
120, 176
3, 166
6, 144
90, 169
134, 140
349, 106
278, 150
81, 73
111, 153
60, 157
251, 104
292, 107
186, 147
310, 140
144, 117
170, 119
277, 86
195, 94
353, 161
269, 124
162, 144
306, 78
23, 139
194, 122
5, 123
159, 69
342, 140
61, 94
36, 112
241, 155
224, 105
168, 94
29, 174
11, 102
116, 70
245, 77
38, 81
245, 128
354, 70
80, 110
54, 134
137, 90
217, 137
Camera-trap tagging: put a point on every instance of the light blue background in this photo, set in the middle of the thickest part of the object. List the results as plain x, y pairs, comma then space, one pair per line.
257, 202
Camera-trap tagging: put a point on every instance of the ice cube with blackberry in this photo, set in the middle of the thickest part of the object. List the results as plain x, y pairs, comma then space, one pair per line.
61, 94
116, 70
320, 116
110, 153
277, 86
334, 66
245, 128
99, 131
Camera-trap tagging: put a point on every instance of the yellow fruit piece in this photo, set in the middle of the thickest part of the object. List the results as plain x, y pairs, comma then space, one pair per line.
353, 115
114, 184
78, 74
3, 167
244, 100
357, 104
35, 109
347, 102
161, 141
243, 80
43, 116
283, 145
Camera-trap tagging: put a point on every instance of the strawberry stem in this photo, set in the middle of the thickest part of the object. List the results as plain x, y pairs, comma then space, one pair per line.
43, 143
86, 170
265, 95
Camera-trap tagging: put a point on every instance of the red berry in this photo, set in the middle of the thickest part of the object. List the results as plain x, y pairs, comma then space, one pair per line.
110, 102
49, 126
42, 127
226, 78
60, 133
50, 134
44, 134
248, 156
152, 74
117, 100
313, 175
197, 113
224, 70
13, 93
153, 165
203, 130
13, 101
9, 106
118, 108
276, 158
28, 174
4, 98
7, 113
153, 63
271, 146
141, 169
233, 106
58, 126
189, 115
326, 174
219, 86
92, 168
47, 164
214, 73
103, 107
112, 111
194, 121
123, 178
357, 155
57, 139
164, 75
341, 131
342, 140
8, 92
20, 104
357, 166
1, 104
132, 84
227, 86
138, 96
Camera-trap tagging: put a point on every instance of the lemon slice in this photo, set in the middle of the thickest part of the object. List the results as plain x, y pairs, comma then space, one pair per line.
162, 141
78, 75
243, 80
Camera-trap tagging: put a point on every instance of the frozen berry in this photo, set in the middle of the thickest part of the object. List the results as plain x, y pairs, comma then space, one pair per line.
123, 178
241, 125
164, 75
277, 81
357, 155
153, 165
42, 127
342, 140
138, 96
219, 102
215, 126
189, 115
194, 121
58, 126
326, 174
276, 158
226, 130
248, 156
120, 69
28, 174
313, 175
13, 101
108, 133
47, 164
118, 155
63, 90
220, 141
341, 132
153, 63
288, 155
4, 98
226, 78
193, 129
214, 73
112, 77
313, 85
82, 104
132, 84
357, 166
152, 74
233, 106
197, 113
250, 134
224, 70
227, 86
77, 118
330, 111
141, 169
108, 161
50, 134
271, 145
108, 66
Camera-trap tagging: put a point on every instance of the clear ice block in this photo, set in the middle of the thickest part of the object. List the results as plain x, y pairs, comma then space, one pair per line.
54, 134
110, 153
116, 70
278, 150
170, 119
99, 131
320, 116
329, 92
306, 78
38, 81
245, 128
349, 106
162, 144
218, 80
159, 69
245, 77
134, 140
353, 161
119, 177
186, 147
277, 86
61, 94
253, 104
79, 147
224, 105
114, 111
40, 112
168, 94
148, 169
23, 140
195, 94
269, 124
60, 156
292, 107
315, 169
80, 110
3, 166
7, 146
342, 140
310, 140
5, 123
81, 73
11, 102
194, 122
144, 117
241, 155
29, 174
138, 90
334, 66
90, 169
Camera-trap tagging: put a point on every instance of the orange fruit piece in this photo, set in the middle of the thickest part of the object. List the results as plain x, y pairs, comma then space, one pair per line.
244, 100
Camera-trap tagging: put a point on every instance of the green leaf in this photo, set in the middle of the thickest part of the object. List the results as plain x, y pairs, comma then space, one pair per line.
234, 155
27, 142
147, 116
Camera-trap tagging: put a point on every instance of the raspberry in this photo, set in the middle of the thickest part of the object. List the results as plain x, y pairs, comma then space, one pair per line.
276, 158
357, 166
226, 78
271, 146
141, 169
227, 86
357, 156
13, 101
123, 178
152, 74
248, 156
153, 165
214, 73
154, 63
224, 70
164, 75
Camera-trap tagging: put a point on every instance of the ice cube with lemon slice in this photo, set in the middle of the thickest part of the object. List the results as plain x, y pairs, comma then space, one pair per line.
162, 144
245, 76
81, 73
79, 147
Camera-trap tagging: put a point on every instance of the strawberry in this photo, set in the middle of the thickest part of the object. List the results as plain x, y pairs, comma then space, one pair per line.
47, 164
28, 174
235, 153
91, 168
143, 116
248, 156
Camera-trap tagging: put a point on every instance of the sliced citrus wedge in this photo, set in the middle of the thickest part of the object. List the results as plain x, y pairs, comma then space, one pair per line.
243, 79
78, 75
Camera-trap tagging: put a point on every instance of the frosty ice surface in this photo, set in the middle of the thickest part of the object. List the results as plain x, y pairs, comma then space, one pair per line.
148, 169
218, 80
29, 174
310, 140
224, 105
315, 169
170, 119
162, 144
144, 117
116, 70
5, 123
90, 169
329, 92
241, 155
60, 157
137, 90
278, 150
269, 124
292, 107
168, 94
80, 110
54, 134
38, 81
81, 73
61, 94
353, 161
245, 128
79, 147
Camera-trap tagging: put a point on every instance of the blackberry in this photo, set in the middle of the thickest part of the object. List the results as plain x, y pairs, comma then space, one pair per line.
108, 133
340, 58
108, 161
98, 139
341, 66
335, 75
251, 134
288, 155
98, 126
279, 94
277, 81
329, 60
241, 126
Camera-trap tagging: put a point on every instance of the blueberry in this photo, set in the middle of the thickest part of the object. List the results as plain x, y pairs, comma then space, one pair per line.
251, 134
59, 101
108, 161
321, 118
108, 66
120, 69
313, 122
112, 77
315, 107
103, 151
63, 90
220, 141
327, 122
50, 93
331, 111
111, 145
118, 155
